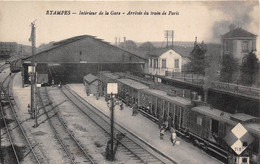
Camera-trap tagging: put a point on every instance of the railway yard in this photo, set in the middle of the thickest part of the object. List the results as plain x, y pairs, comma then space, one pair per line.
130, 82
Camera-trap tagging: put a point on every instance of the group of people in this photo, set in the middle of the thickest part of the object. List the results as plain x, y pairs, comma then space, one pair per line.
52, 83
172, 131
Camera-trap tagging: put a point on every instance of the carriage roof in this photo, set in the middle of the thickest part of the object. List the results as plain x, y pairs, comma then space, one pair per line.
162, 94
214, 113
133, 84
109, 75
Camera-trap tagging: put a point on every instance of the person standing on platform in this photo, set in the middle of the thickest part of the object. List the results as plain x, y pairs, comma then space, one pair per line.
162, 131
173, 136
121, 104
52, 82
170, 122
126, 98
135, 109
160, 119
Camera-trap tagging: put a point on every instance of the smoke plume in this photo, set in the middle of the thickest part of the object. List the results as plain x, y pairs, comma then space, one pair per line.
235, 12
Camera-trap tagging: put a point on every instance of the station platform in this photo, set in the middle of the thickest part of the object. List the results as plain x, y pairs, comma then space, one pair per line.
183, 152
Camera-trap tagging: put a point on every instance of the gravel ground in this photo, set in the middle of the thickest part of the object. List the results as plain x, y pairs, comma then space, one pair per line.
93, 139
47, 146
87, 133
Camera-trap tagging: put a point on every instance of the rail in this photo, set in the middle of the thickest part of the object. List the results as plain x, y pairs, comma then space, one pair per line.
9, 134
57, 135
54, 131
98, 116
18, 122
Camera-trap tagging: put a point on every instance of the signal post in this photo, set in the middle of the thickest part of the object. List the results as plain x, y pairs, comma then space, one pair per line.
112, 90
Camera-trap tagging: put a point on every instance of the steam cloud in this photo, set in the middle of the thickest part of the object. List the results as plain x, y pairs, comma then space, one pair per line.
237, 13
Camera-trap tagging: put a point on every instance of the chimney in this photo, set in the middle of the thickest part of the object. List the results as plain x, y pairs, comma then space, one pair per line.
232, 27
195, 43
124, 42
116, 41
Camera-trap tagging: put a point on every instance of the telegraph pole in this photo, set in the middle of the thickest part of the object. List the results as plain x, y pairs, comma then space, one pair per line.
169, 34
33, 76
112, 89
112, 127
172, 36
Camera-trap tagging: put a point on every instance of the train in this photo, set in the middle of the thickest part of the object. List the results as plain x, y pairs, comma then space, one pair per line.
194, 120
16, 66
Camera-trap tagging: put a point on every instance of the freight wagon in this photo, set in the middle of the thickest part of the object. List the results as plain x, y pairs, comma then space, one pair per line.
193, 119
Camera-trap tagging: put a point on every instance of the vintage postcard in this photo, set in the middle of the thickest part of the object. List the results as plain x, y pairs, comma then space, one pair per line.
130, 82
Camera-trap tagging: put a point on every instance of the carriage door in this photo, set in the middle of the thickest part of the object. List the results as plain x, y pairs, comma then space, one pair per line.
214, 127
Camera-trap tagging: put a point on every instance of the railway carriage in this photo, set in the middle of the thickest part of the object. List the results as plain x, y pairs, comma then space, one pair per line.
161, 105
211, 126
104, 78
204, 125
129, 90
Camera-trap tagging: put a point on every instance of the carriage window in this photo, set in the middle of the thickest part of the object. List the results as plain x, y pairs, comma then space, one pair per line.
199, 120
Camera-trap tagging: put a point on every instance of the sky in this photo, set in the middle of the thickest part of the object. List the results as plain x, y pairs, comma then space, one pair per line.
204, 19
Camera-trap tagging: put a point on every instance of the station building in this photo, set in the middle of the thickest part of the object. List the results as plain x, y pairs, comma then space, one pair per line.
69, 60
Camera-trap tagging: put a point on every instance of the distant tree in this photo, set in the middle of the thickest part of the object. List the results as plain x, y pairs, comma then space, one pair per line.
249, 68
229, 67
198, 60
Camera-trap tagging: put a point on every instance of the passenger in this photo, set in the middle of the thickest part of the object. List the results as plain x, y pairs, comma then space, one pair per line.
160, 119
135, 109
173, 136
170, 122
166, 125
147, 109
126, 98
162, 130
121, 104
97, 96
60, 85
29, 108
130, 102
52, 82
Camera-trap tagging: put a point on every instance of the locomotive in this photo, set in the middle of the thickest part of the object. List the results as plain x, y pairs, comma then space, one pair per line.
193, 119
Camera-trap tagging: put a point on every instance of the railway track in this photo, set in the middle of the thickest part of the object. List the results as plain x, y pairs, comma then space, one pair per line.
65, 138
2, 67
8, 131
7, 90
137, 149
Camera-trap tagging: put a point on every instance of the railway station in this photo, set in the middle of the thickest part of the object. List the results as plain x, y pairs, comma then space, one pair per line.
74, 97
72, 59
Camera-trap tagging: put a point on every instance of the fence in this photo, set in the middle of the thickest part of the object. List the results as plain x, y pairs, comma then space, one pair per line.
237, 89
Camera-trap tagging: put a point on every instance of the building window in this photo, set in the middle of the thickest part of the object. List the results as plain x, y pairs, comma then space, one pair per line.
176, 63
80, 53
155, 63
245, 46
163, 63
151, 62
199, 120
226, 46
